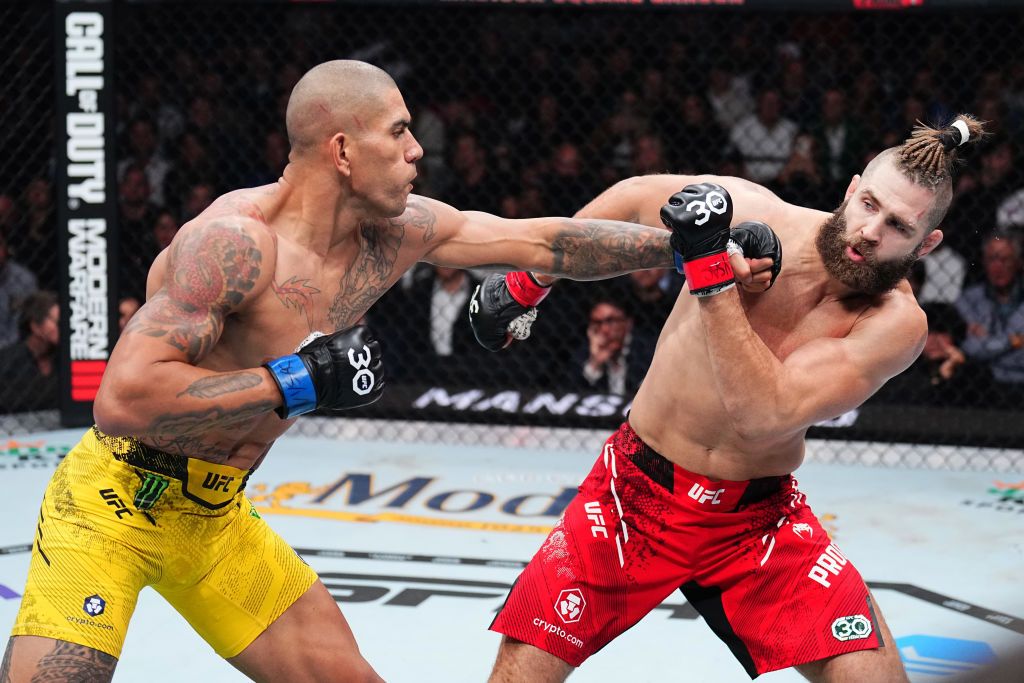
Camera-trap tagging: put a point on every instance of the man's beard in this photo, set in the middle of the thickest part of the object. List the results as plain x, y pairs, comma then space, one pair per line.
871, 277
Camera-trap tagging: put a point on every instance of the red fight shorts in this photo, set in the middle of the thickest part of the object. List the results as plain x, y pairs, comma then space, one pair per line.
750, 556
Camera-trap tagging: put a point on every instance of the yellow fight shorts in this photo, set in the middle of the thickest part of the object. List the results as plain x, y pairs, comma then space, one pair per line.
118, 516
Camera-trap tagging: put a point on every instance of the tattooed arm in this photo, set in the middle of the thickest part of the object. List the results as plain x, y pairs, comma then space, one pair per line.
618, 232
576, 249
212, 270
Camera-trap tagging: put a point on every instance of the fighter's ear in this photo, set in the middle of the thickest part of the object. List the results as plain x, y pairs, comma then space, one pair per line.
930, 241
340, 153
854, 182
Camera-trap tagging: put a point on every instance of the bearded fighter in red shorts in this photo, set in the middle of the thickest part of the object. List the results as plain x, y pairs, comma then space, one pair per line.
695, 491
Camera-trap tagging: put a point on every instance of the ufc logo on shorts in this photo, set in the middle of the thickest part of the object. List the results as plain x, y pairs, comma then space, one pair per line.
593, 510
362, 382
216, 481
115, 501
830, 562
703, 495
714, 202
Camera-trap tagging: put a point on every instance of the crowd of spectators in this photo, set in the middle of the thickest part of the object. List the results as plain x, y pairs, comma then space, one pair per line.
533, 115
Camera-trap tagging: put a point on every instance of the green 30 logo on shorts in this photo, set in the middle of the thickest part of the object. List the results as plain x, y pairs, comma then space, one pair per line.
851, 628
150, 490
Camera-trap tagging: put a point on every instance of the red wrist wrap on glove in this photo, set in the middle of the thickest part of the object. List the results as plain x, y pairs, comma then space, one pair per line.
526, 290
708, 271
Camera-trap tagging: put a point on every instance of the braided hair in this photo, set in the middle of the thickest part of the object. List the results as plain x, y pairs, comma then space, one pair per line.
927, 158
929, 155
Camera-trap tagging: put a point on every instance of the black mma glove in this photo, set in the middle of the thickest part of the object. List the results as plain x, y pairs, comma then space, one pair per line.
503, 307
699, 218
338, 371
755, 239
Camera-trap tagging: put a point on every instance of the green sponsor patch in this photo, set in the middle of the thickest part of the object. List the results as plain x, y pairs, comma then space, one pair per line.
150, 490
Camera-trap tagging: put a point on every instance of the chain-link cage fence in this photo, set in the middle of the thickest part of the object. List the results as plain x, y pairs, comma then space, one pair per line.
531, 111
28, 253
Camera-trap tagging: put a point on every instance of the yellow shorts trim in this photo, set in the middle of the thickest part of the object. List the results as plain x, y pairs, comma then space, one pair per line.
108, 528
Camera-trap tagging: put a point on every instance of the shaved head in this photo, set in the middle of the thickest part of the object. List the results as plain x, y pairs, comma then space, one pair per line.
337, 96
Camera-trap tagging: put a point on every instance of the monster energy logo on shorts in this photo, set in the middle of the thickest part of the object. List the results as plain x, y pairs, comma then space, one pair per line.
152, 487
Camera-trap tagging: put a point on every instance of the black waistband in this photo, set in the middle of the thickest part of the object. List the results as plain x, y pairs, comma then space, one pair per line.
761, 488
661, 471
130, 450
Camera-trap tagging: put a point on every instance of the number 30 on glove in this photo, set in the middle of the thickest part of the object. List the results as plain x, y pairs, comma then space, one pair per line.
335, 371
699, 217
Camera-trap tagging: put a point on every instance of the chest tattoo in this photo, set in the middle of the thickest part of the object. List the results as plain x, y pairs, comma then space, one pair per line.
298, 295
373, 268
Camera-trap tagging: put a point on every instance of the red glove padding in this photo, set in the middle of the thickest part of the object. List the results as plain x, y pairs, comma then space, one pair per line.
525, 289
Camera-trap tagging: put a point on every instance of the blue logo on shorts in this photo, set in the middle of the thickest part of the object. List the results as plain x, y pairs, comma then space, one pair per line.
94, 605
943, 656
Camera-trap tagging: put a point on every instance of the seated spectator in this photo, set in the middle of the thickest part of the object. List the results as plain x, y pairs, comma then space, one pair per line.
28, 368
136, 217
196, 200
839, 141
978, 194
32, 242
428, 337
765, 139
154, 105
694, 140
801, 181
568, 184
16, 283
650, 296
192, 166
144, 154
474, 181
614, 359
994, 313
273, 160
126, 308
729, 96
165, 227
649, 155
942, 375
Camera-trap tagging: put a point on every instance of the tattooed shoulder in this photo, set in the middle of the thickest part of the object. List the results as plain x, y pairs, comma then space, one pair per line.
220, 260
212, 269
420, 217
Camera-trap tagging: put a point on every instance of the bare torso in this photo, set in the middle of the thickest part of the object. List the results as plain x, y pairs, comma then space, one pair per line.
678, 410
310, 292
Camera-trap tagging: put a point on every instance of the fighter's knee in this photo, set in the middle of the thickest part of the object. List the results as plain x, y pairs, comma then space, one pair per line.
31, 658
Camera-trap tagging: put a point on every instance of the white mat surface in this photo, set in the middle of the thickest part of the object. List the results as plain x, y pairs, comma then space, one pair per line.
944, 552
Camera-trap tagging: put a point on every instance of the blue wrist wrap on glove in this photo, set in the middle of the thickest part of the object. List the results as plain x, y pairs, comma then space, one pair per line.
295, 383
